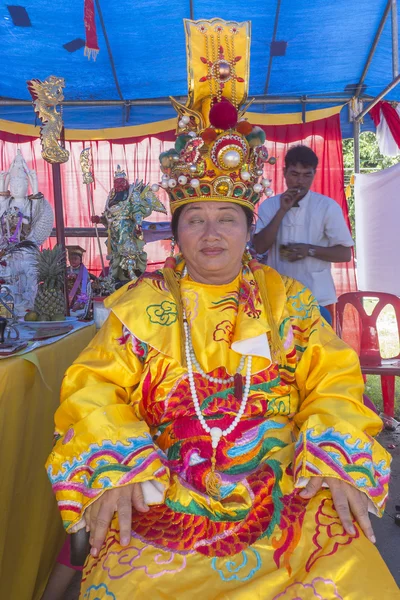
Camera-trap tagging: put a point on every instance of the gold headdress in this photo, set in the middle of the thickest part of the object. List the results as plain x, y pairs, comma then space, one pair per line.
218, 155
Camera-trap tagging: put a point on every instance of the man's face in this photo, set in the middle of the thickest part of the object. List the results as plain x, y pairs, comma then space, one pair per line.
75, 260
299, 177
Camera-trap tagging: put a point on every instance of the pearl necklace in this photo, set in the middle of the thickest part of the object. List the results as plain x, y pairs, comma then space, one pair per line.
194, 360
213, 480
196, 363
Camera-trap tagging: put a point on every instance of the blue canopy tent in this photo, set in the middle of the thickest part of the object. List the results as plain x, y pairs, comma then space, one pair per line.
303, 56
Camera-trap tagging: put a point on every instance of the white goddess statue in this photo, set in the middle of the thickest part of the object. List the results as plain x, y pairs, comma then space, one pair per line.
23, 218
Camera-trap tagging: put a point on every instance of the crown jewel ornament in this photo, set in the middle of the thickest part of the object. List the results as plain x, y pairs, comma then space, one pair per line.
218, 155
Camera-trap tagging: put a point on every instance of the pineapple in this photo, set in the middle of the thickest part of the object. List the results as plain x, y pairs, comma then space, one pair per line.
50, 301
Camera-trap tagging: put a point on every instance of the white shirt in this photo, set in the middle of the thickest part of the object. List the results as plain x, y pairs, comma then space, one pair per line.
318, 220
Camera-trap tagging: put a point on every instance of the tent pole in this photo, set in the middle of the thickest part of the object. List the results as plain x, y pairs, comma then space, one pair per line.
373, 47
58, 210
356, 135
278, 8
182, 100
109, 52
304, 110
395, 39
387, 89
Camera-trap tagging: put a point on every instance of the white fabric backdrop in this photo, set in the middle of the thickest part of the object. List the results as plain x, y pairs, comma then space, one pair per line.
377, 204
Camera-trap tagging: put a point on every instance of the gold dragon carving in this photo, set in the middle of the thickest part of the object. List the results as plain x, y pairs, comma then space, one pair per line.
47, 95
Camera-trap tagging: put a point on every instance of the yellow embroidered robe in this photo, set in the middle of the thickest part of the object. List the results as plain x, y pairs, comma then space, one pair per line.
127, 416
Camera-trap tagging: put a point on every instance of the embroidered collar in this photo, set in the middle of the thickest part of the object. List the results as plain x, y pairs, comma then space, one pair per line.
148, 311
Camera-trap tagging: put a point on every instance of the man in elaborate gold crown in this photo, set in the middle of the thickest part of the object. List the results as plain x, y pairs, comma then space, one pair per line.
212, 438
23, 218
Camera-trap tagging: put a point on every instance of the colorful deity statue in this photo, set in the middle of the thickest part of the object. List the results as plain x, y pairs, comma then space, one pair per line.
26, 221
126, 207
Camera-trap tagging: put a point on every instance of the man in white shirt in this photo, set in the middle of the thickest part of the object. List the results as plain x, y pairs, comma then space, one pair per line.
304, 232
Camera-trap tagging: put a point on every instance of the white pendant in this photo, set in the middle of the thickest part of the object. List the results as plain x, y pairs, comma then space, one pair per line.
216, 433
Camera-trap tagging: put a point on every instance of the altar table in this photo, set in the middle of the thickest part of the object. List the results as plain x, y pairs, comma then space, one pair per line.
31, 533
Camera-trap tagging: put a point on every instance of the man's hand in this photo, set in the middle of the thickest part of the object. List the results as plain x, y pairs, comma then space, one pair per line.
289, 198
99, 515
294, 252
347, 500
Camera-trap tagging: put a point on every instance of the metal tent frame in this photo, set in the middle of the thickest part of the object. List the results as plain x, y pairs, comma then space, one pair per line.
356, 101
391, 7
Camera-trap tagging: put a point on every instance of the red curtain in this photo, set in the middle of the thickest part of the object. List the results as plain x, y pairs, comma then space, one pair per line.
139, 158
390, 114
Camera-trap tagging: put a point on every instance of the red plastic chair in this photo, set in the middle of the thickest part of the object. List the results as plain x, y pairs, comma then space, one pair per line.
371, 360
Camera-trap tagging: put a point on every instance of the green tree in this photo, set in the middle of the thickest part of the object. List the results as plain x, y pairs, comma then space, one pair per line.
371, 160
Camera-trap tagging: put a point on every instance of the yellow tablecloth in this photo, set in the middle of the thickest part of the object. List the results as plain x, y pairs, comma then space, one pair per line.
30, 526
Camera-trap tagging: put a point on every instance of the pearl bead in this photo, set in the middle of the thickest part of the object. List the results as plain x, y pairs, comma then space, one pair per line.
192, 134
231, 159
182, 179
269, 192
181, 123
155, 187
259, 172
265, 182
164, 184
194, 183
171, 183
185, 119
216, 432
245, 175
193, 168
257, 188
